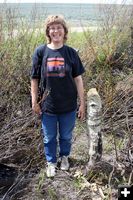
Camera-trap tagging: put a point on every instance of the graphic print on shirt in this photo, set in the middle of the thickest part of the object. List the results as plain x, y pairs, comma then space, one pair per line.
55, 67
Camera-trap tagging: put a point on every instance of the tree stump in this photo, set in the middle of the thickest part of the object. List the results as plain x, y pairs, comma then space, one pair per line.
94, 112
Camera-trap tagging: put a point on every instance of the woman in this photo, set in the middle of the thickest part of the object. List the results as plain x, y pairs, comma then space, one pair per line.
59, 69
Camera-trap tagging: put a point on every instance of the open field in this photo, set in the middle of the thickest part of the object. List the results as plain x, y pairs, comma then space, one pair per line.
81, 29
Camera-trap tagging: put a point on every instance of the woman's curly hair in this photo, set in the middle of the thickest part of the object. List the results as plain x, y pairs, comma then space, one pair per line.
55, 19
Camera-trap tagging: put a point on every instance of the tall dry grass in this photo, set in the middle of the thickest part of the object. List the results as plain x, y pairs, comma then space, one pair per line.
18, 39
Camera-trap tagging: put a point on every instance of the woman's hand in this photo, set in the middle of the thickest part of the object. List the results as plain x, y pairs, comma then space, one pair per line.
81, 112
34, 94
36, 109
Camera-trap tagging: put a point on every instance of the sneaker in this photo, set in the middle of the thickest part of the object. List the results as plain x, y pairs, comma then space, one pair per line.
51, 169
64, 163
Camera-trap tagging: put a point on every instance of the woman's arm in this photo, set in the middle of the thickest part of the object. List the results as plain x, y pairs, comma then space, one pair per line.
80, 88
34, 94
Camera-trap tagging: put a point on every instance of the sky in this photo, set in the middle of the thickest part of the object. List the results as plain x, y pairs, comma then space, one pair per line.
68, 1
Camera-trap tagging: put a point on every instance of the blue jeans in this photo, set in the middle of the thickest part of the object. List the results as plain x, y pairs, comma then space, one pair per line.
57, 126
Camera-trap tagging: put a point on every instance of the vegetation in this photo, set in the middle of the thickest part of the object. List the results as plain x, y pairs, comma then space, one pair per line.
107, 54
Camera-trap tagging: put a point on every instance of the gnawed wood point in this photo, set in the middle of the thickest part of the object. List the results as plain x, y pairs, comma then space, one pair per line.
94, 106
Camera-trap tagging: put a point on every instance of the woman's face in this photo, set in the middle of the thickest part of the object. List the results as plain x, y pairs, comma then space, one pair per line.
56, 33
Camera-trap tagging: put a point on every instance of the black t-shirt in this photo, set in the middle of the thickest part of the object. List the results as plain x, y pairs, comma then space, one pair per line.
57, 68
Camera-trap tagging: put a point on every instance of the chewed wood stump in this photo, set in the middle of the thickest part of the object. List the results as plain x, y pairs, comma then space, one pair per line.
94, 106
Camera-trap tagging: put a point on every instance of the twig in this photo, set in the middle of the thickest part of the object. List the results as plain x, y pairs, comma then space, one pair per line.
12, 187
101, 193
130, 178
109, 181
17, 182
